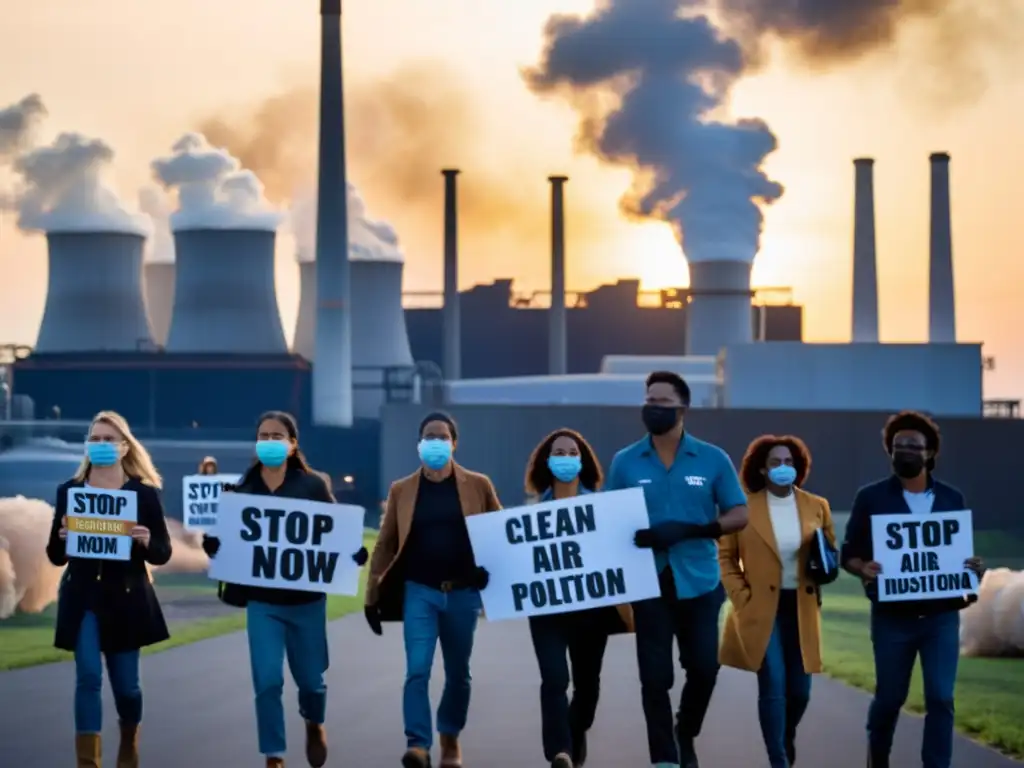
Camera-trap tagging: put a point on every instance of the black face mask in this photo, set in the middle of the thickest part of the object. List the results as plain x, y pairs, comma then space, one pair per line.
907, 465
659, 419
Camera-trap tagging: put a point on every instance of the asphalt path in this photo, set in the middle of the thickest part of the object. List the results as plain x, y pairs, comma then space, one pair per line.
199, 711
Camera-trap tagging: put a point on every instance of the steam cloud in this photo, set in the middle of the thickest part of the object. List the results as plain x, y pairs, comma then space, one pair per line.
994, 626
18, 125
159, 247
64, 189
368, 239
668, 73
213, 191
28, 581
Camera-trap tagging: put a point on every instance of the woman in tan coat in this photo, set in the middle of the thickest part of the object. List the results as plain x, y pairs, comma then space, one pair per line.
774, 625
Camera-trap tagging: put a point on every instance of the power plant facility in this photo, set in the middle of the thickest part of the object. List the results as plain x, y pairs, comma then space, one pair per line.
191, 352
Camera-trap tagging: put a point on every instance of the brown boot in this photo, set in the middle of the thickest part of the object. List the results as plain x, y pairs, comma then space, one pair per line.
416, 757
316, 744
275, 762
451, 752
88, 751
128, 750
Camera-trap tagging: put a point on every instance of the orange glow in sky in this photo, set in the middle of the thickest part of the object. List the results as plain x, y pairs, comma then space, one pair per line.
139, 74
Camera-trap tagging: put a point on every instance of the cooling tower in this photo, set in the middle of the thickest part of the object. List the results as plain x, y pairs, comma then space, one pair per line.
159, 282
225, 298
94, 296
557, 362
719, 312
941, 291
379, 337
865, 270
332, 374
450, 314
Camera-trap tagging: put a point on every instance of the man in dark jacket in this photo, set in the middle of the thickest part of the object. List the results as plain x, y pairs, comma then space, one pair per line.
902, 631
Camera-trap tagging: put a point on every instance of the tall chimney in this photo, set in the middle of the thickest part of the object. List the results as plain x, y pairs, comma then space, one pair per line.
557, 363
332, 369
450, 316
941, 291
865, 269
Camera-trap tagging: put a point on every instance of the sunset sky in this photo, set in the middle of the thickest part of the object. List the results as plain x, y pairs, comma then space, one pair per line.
433, 84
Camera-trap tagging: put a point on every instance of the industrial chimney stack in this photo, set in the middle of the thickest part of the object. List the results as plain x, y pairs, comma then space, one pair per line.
452, 333
865, 269
332, 369
557, 363
941, 291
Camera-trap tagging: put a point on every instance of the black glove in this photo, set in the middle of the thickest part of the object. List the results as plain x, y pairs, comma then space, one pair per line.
665, 535
372, 614
361, 556
480, 579
211, 545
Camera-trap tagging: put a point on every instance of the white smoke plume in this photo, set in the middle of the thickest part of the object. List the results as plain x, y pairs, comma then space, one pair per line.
154, 203
994, 626
28, 581
368, 239
64, 189
18, 125
187, 555
214, 192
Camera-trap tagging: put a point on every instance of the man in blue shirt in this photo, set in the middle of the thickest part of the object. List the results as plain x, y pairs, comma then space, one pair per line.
693, 497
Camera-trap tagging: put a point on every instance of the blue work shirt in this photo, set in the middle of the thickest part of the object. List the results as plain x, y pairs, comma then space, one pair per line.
701, 483
549, 494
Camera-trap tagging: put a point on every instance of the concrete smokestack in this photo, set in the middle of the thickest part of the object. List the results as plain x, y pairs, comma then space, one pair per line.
450, 315
719, 313
557, 345
865, 268
941, 290
332, 369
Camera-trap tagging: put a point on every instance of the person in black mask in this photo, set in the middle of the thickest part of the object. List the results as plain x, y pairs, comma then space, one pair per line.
902, 631
694, 496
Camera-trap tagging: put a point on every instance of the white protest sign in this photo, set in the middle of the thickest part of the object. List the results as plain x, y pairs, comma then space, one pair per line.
922, 556
100, 523
564, 555
282, 543
199, 497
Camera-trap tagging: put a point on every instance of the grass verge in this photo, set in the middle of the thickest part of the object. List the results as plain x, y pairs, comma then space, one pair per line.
989, 700
26, 640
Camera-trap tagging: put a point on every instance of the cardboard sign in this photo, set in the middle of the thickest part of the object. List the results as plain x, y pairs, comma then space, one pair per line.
564, 555
100, 523
273, 541
922, 556
199, 497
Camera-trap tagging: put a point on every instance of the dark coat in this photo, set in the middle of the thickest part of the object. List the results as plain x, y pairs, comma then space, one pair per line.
120, 593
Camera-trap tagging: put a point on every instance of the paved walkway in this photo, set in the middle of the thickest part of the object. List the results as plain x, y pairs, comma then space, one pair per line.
199, 711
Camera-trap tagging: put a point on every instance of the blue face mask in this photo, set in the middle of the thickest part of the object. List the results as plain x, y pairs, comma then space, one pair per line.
435, 453
272, 453
103, 454
565, 468
782, 474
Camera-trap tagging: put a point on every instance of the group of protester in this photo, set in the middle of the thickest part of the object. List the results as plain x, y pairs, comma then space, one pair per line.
716, 535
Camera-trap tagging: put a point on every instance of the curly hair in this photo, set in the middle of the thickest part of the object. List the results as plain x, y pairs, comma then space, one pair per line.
756, 459
538, 476
917, 422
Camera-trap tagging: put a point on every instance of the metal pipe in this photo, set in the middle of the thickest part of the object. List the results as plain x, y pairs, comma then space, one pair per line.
450, 314
557, 333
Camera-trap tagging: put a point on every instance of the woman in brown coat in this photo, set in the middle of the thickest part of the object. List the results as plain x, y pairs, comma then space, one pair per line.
774, 626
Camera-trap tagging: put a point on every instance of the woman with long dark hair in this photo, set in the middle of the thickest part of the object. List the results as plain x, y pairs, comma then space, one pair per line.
284, 622
774, 625
108, 608
572, 644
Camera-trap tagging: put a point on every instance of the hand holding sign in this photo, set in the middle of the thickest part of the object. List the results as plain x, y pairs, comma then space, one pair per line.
870, 571
140, 534
63, 532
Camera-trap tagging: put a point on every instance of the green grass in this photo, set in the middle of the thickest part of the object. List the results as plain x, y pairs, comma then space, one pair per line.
989, 693
26, 639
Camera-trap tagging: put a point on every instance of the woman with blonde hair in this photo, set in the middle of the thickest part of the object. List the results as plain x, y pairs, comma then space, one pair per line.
108, 608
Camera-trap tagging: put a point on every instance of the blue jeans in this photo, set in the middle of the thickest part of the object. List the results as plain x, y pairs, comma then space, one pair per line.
430, 615
783, 687
897, 641
123, 671
300, 633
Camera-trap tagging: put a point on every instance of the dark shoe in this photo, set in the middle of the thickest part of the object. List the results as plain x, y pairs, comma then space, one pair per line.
416, 757
579, 749
687, 753
88, 753
562, 760
877, 761
128, 749
451, 752
275, 762
316, 745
